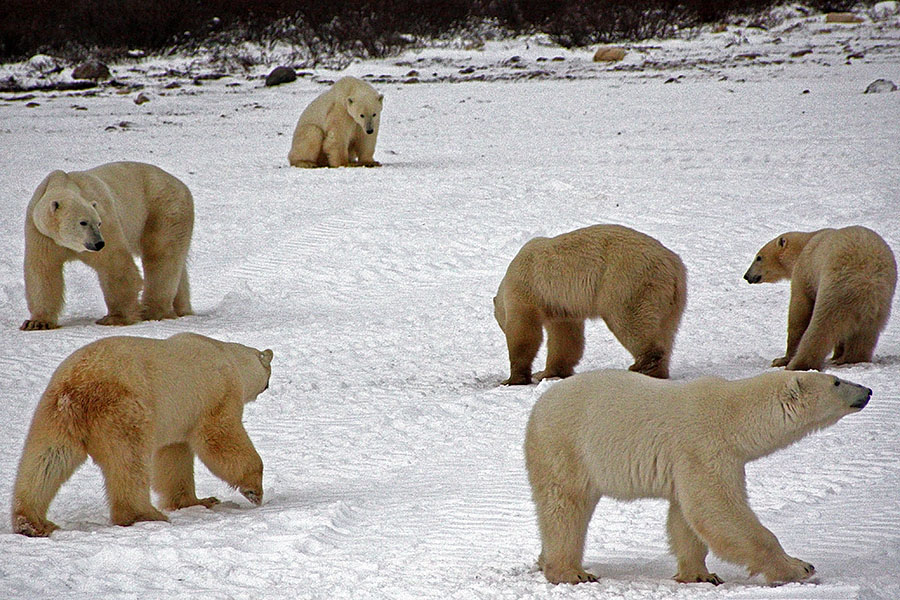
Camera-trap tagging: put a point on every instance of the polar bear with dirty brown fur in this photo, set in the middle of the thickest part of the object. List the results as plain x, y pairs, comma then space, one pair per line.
628, 279
141, 408
103, 217
626, 436
842, 286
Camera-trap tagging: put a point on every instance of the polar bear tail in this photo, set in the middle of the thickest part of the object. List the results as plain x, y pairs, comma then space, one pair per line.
48, 460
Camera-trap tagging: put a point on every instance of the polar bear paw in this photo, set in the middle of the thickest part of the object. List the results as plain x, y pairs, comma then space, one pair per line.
781, 362
34, 527
568, 575
117, 320
699, 578
37, 325
789, 569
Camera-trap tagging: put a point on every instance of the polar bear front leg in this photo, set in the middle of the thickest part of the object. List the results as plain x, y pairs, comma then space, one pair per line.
715, 507
173, 478
563, 517
800, 312
44, 288
565, 346
365, 149
121, 283
524, 335
222, 444
689, 550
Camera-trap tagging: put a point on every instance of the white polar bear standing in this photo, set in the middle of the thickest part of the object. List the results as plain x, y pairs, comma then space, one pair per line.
626, 436
103, 217
339, 128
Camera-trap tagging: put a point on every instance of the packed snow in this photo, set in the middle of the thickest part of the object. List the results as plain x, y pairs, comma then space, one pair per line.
393, 457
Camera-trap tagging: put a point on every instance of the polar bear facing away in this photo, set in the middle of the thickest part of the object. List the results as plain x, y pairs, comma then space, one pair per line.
628, 436
627, 278
842, 285
103, 217
339, 128
142, 408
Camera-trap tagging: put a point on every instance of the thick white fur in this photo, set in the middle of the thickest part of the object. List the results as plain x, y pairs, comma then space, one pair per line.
627, 436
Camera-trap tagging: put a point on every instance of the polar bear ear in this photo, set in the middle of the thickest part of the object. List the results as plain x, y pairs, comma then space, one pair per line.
54, 206
349, 101
265, 357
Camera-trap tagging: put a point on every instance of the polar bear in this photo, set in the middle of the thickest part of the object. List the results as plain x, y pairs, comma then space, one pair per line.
627, 436
141, 408
842, 285
103, 217
339, 128
630, 280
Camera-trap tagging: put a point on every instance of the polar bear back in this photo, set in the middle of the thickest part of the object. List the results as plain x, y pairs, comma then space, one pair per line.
581, 271
179, 379
143, 193
632, 433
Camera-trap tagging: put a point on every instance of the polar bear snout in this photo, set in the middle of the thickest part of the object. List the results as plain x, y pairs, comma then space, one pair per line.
857, 396
863, 399
752, 277
95, 246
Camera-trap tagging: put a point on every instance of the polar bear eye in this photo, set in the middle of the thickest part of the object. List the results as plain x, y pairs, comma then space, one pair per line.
758, 258
363, 116
837, 382
83, 223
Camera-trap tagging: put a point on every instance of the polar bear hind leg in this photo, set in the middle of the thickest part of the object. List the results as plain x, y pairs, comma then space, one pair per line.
306, 149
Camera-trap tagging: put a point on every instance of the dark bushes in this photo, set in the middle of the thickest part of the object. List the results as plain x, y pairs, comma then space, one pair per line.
358, 27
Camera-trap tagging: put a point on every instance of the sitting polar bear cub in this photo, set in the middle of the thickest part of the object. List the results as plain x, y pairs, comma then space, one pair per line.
339, 128
141, 408
102, 217
627, 436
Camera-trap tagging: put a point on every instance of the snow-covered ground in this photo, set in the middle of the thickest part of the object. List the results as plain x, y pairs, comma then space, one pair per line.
393, 458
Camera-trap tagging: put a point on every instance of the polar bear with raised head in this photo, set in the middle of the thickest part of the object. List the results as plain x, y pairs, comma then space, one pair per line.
628, 436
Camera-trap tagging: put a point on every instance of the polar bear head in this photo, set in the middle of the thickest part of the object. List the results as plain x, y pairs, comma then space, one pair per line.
365, 109
66, 217
817, 400
255, 368
775, 260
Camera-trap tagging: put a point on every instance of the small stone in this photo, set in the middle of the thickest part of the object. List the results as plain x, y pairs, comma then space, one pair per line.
609, 54
93, 70
280, 75
880, 86
141, 98
842, 17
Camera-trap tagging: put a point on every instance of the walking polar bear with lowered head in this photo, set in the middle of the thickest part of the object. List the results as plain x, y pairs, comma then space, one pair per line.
103, 217
842, 285
627, 436
141, 408
630, 280
339, 128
